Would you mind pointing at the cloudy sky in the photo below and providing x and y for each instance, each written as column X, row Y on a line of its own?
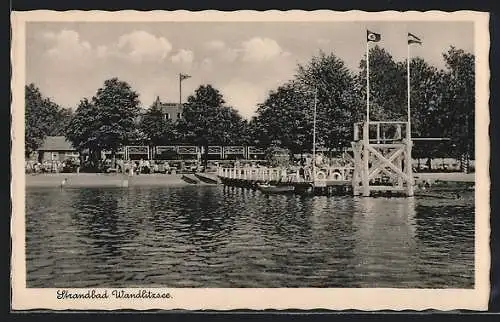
column 244, row 60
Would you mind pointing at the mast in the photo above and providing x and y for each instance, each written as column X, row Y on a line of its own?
column 180, row 89
column 314, row 134
column 408, row 131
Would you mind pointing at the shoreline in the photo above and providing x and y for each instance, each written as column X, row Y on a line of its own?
column 101, row 180
column 90, row 180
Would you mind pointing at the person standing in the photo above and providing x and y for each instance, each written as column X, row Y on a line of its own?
column 77, row 164
column 141, row 164
column 302, row 174
column 284, row 174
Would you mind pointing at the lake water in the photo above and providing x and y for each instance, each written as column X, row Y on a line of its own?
column 215, row 236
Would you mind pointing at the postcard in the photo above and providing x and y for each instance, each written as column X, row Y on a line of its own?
column 250, row 160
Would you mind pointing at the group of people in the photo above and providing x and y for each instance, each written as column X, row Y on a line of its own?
column 52, row 166
column 133, row 167
column 296, row 174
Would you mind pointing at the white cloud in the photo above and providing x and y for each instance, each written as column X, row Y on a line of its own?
column 142, row 46
column 184, row 56
column 260, row 49
column 67, row 45
column 256, row 49
column 223, row 52
column 215, row 45
column 229, row 55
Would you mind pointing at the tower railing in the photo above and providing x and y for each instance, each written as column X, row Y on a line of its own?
column 382, row 158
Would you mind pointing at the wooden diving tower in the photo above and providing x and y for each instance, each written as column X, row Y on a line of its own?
column 382, row 158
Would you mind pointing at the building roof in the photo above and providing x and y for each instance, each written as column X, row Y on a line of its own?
column 167, row 105
column 56, row 143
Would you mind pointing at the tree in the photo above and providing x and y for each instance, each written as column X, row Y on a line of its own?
column 118, row 107
column 61, row 122
column 337, row 101
column 234, row 127
column 199, row 122
column 81, row 131
column 207, row 95
column 205, row 120
column 461, row 104
column 285, row 119
column 41, row 117
column 428, row 87
column 387, row 85
column 107, row 122
column 156, row 127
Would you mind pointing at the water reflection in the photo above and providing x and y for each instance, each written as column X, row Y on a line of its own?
column 385, row 241
column 446, row 232
column 231, row 237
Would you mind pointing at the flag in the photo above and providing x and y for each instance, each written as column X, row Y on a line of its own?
column 371, row 36
column 183, row 76
column 412, row 39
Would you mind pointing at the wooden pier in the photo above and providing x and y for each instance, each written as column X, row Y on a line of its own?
column 382, row 158
column 326, row 181
column 381, row 165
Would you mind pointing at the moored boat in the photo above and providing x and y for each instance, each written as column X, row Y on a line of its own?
column 189, row 178
column 267, row 188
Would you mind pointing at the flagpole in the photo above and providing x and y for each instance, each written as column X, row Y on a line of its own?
column 180, row 89
column 366, row 128
column 408, row 91
column 314, row 135
column 409, row 159
column 367, row 83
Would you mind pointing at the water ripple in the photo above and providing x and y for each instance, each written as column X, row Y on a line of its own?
column 225, row 237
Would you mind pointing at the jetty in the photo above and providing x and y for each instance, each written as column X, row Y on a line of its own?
column 326, row 181
column 380, row 165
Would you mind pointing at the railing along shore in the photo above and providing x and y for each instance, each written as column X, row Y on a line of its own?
column 282, row 174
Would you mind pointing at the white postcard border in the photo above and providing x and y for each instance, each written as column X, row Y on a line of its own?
column 257, row 299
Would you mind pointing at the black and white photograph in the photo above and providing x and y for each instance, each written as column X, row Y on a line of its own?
column 250, row 160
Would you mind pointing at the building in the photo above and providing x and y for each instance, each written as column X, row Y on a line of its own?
column 56, row 148
column 171, row 111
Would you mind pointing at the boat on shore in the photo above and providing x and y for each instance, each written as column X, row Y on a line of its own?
column 268, row 188
column 207, row 178
column 189, row 178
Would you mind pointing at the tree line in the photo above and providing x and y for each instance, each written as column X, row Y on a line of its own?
column 442, row 105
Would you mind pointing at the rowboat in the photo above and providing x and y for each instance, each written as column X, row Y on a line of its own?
column 267, row 188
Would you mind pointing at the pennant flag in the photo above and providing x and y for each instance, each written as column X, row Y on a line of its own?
column 183, row 76
column 371, row 36
column 412, row 39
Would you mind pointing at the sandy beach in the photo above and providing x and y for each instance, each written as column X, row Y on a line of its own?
column 103, row 180
column 117, row 180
